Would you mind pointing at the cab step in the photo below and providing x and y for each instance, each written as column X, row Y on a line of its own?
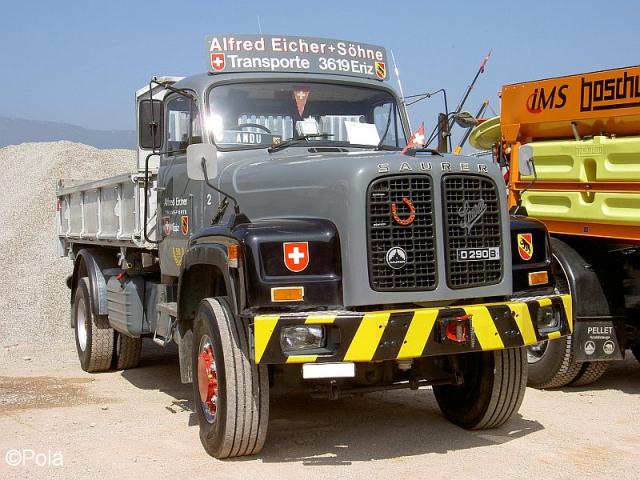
column 165, row 323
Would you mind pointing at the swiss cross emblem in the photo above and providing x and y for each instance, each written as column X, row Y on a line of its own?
column 525, row 246
column 217, row 61
column 296, row 255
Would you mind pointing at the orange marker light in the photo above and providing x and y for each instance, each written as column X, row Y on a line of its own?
column 233, row 252
column 538, row 278
column 287, row 294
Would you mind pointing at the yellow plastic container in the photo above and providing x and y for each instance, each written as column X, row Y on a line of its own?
column 587, row 207
column 597, row 159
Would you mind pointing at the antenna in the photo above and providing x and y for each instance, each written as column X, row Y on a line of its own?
column 397, row 72
column 259, row 24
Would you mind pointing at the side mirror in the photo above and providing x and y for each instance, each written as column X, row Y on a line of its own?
column 525, row 161
column 201, row 157
column 150, row 124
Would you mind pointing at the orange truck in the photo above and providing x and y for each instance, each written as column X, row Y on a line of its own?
column 570, row 149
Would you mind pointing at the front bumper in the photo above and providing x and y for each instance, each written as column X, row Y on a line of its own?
column 408, row 334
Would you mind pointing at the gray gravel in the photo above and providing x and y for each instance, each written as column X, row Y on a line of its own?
column 34, row 300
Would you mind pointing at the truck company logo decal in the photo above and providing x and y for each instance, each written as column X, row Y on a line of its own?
column 599, row 94
column 217, row 61
column 277, row 53
column 396, row 258
column 541, row 100
column 525, row 246
column 296, row 255
column 412, row 213
column 470, row 215
column 184, row 225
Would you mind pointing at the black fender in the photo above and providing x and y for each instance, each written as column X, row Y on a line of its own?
column 539, row 259
column 94, row 262
column 597, row 298
column 209, row 248
column 204, row 270
column 589, row 299
column 261, row 267
column 265, row 269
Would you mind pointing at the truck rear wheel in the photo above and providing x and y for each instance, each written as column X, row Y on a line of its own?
column 126, row 351
column 589, row 373
column 492, row 391
column 231, row 393
column 553, row 364
column 94, row 337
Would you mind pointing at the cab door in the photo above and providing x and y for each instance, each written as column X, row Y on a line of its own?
column 179, row 205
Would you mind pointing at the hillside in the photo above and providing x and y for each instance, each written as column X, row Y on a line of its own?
column 14, row 131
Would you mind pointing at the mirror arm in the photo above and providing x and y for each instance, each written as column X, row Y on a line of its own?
column 236, row 207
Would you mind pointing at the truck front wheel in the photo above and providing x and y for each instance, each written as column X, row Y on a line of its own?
column 492, row 390
column 231, row 393
column 94, row 337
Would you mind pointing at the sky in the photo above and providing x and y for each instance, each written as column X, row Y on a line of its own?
column 80, row 62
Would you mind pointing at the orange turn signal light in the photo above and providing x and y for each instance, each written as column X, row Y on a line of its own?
column 287, row 294
column 233, row 252
column 538, row 278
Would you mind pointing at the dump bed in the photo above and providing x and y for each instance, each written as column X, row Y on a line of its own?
column 106, row 212
column 606, row 102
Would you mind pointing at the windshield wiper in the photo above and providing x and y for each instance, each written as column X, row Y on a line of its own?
column 294, row 141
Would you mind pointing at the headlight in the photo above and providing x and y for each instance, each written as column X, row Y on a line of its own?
column 302, row 337
column 547, row 320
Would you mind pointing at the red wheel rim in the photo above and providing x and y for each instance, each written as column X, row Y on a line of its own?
column 207, row 379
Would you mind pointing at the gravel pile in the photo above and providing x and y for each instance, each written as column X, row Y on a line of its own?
column 34, row 299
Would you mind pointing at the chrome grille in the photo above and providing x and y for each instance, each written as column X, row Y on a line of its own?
column 417, row 239
column 467, row 191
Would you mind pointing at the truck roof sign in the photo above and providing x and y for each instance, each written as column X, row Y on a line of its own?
column 280, row 53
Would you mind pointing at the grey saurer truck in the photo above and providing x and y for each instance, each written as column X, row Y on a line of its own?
column 279, row 232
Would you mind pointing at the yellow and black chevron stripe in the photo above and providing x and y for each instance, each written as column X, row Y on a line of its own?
column 405, row 334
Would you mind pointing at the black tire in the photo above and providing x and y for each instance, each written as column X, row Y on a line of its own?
column 589, row 373
column 126, row 351
column 94, row 337
column 492, row 391
column 557, row 367
column 238, row 426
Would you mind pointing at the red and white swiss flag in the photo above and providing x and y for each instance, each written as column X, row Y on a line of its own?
column 296, row 255
column 217, row 61
column 417, row 139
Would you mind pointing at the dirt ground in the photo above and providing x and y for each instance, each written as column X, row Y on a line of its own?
column 140, row 424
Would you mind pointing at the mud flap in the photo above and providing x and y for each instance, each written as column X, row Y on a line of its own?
column 597, row 340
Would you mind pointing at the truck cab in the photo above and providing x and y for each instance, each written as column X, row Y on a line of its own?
column 287, row 238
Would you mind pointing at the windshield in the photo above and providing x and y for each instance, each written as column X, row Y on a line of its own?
column 264, row 114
